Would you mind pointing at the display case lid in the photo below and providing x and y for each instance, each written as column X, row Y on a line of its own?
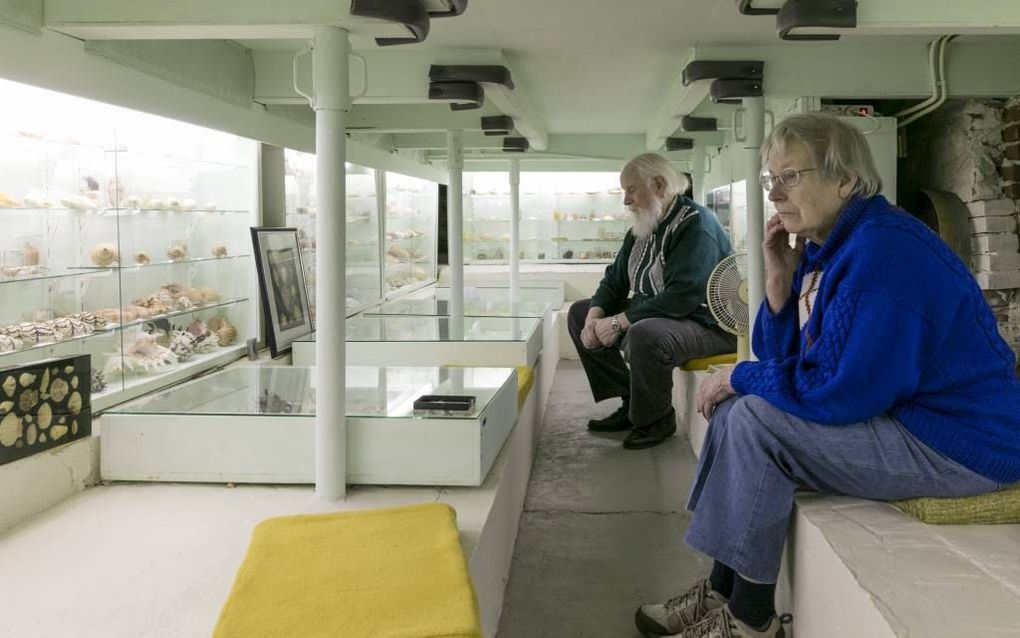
column 372, row 392
column 491, row 307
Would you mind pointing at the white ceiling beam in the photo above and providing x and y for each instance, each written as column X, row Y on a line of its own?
column 202, row 19
column 415, row 118
column 680, row 100
column 897, row 68
column 887, row 17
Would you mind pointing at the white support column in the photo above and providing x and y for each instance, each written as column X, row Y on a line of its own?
column 754, row 125
column 455, row 219
column 515, row 233
column 698, row 172
column 331, row 102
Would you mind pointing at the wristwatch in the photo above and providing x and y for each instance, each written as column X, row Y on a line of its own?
column 615, row 323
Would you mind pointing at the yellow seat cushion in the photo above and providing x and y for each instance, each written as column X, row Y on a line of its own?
column 704, row 362
column 1001, row 507
column 525, row 379
column 394, row 573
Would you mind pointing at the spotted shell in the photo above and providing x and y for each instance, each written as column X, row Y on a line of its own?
column 104, row 254
column 226, row 334
column 28, row 333
column 90, row 319
column 79, row 328
column 182, row 344
column 176, row 252
column 9, row 343
column 62, row 326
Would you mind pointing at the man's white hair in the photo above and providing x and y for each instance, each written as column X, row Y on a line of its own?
column 648, row 166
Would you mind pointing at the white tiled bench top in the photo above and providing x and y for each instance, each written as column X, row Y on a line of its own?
column 926, row 581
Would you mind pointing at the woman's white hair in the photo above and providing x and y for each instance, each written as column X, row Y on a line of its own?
column 651, row 165
column 838, row 149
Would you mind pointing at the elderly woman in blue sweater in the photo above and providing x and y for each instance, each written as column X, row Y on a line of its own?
column 881, row 375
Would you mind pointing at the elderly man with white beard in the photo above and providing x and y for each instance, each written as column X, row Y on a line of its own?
column 665, row 261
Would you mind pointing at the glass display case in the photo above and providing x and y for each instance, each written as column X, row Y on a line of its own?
column 381, row 340
column 257, row 424
column 412, row 218
column 125, row 238
column 565, row 217
column 363, row 252
column 729, row 202
column 439, row 305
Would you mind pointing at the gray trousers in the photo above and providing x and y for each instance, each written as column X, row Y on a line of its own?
column 755, row 455
column 652, row 347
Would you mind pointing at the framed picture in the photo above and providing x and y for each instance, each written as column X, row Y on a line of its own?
column 282, row 286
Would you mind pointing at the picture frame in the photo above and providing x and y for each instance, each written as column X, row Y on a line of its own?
column 281, row 286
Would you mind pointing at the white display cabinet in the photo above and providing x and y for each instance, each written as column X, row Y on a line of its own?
column 411, row 230
column 257, row 424
column 121, row 227
column 382, row 340
column 565, row 217
column 363, row 239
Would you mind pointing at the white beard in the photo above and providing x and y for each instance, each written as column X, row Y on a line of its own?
column 645, row 222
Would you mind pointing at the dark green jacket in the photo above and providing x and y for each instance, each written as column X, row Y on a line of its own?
column 667, row 271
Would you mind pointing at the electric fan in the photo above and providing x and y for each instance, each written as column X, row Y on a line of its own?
column 727, row 299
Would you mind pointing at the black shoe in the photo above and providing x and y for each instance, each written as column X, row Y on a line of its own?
column 652, row 434
column 615, row 422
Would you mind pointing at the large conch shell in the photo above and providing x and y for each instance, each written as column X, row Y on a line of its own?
column 104, row 254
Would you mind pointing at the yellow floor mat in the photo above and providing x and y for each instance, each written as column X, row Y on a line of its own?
column 393, row 573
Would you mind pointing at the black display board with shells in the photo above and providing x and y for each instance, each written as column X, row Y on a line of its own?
column 43, row 405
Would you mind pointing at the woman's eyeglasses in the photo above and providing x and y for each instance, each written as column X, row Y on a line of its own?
column 787, row 178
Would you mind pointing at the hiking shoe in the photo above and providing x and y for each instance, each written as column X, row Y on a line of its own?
column 676, row 614
column 615, row 422
column 720, row 623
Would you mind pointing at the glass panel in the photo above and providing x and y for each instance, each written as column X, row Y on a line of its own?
column 565, row 216
column 552, row 296
column 287, row 391
column 412, row 209
column 363, row 252
column 493, row 307
column 120, row 227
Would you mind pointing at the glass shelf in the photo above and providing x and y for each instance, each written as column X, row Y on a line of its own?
column 50, row 344
column 372, row 392
column 93, row 272
column 166, row 315
column 153, row 264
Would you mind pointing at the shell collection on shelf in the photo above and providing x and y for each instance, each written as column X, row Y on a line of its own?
column 172, row 297
column 144, row 355
column 14, row 337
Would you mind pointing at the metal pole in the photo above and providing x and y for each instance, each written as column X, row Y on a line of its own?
column 455, row 219
column 515, row 233
column 332, row 100
column 754, row 123
column 698, row 173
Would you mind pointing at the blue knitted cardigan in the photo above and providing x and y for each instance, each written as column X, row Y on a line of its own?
column 899, row 327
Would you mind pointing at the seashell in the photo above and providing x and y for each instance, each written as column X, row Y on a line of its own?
column 131, row 201
column 28, row 400
column 89, row 319
column 209, row 295
column 194, row 295
column 59, row 389
column 9, row 385
column 398, row 252
column 128, row 313
column 58, row 431
column 152, row 203
column 226, row 334
column 140, row 312
column 216, row 323
column 45, row 333
column 28, row 334
column 183, row 303
column 104, row 254
column 175, row 289
column 79, row 202
column 189, row 204
column 9, row 343
column 142, row 258
column 11, row 428
column 97, row 381
column 44, row 416
column 37, row 200
column 79, row 328
column 174, row 204
column 198, row 328
column 176, row 252
column 61, row 326
column 219, row 250
column 210, row 206
column 182, row 344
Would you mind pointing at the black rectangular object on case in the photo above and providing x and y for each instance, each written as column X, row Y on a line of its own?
column 451, row 402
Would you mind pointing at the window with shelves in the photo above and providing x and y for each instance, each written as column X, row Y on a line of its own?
column 565, row 217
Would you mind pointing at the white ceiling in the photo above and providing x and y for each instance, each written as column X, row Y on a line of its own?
column 598, row 66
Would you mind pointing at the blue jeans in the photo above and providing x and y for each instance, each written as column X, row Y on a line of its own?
column 756, row 455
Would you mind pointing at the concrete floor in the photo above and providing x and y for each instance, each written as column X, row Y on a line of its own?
column 602, row 528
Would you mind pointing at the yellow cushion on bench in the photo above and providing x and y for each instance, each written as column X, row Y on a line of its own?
column 525, row 379
column 395, row 572
column 704, row 362
column 1001, row 507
